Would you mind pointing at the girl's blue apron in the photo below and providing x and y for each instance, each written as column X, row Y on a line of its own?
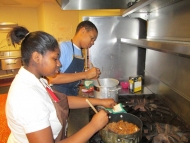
column 72, row 88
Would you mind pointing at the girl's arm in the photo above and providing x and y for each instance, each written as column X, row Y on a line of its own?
column 80, row 102
column 98, row 121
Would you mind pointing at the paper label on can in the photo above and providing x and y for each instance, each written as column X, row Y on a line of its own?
column 137, row 86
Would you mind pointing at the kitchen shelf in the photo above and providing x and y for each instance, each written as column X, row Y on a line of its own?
column 7, row 26
column 178, row 48
column 145, row 9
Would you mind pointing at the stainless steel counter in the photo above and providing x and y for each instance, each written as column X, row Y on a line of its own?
column 144, row 90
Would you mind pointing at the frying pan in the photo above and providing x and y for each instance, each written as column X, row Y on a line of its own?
column 110, row 137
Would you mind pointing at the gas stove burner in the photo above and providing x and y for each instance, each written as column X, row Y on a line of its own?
column 137, row 102
column 160, row 124
column 160, row 110
column 140, row 103
column 161, row 138
column 170, row 134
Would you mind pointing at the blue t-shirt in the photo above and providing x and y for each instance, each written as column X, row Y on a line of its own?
column 66, row 56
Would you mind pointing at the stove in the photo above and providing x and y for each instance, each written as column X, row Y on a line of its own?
column 160, row 123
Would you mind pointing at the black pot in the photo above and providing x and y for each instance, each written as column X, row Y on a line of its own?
column 110, row 137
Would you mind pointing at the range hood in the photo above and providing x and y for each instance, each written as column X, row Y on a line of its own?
column 94, row 4
column 146, row 9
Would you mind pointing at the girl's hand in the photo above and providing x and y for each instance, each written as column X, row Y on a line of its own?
column 108, row 102
column 99, row 120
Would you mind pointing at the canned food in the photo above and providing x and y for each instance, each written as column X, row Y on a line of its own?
column 135, row 83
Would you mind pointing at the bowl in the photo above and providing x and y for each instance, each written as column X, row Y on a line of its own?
column 124, row 84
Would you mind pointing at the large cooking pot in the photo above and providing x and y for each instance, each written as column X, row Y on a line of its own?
column 108, row 88
column 110, row 137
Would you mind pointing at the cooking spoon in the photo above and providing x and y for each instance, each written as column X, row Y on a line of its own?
column 97, row 78
column 91, row 106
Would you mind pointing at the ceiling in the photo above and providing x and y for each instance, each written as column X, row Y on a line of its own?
column 23, row 3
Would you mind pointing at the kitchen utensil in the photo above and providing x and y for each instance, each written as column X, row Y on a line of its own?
column 111, row 137
column 91, row 106
column 116, row 109
column 97, row 78
column 108, row 89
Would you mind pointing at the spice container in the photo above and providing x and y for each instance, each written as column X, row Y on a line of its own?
column 135, row 83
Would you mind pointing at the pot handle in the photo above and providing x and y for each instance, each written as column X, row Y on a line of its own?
column 115, row 89
column 129, row 140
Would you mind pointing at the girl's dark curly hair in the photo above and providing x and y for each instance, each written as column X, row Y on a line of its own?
column 30, row 42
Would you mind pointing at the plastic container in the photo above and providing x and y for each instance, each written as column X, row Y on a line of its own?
column 124, row 84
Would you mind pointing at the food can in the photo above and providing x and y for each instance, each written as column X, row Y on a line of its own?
column 135, row 83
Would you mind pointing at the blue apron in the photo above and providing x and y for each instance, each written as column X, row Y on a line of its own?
column 72, row 88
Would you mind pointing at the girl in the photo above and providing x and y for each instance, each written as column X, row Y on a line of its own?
column 35, row 113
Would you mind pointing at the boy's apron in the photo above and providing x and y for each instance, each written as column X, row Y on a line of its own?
column 77, row 65
column 62, row 109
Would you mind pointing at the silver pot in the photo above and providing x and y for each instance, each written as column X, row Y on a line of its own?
column 108, row 88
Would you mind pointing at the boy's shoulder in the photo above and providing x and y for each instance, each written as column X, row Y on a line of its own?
column 65, row 44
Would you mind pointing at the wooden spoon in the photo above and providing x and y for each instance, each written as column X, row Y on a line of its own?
column 97, row 78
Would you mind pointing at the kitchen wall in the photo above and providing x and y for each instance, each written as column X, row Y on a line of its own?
column 48, row 17
column 61, row 24
column 23, row 16
column 167, row 74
